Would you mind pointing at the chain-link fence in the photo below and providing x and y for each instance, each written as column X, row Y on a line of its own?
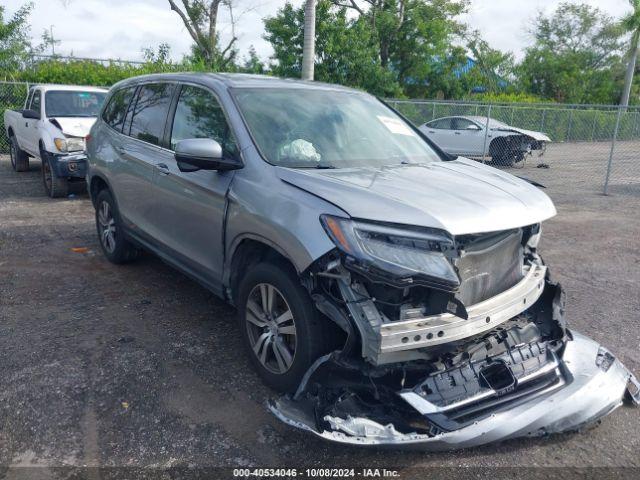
column 591, row 147
column 12, row 96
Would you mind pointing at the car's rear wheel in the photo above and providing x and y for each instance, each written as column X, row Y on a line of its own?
column 113, row 242
column 283, row 332
column 56, row 187
column 19, row 158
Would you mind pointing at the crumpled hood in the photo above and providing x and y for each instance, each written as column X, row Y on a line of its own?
column 460, row 196
column 541, row 137
column 75, row 126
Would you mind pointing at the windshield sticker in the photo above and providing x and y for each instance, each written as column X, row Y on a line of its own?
column 396, row 126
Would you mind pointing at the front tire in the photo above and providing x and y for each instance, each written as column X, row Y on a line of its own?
column 54, row 186
column 282, row 330
column 111, row 236
column 19, row 158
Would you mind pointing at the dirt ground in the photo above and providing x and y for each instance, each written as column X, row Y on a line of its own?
column 137, row 365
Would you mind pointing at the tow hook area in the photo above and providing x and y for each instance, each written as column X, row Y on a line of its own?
column 498, row 377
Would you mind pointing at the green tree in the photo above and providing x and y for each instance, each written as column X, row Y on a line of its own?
column 631, row 24
column 384, row 46
column 575, row 57
column 416, row 40
column 345, row 49
column 493, row 69
column 253, row 63
column 15, row 44
column 200, row 18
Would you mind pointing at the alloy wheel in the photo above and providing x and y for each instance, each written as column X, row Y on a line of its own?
column 271, row 328
column 107, row 227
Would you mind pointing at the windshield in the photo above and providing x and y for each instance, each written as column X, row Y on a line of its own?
column 306, row 128
column 73, row 104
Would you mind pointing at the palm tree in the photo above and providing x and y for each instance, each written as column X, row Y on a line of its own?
column 631, row 24
column 309, row 47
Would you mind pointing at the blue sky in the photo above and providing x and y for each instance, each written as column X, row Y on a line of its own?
column 122, row 28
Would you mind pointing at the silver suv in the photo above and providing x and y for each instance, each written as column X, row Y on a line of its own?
column 397, row 290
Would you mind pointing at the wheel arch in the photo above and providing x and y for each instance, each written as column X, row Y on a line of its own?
column 247, row 250
column 96, row 185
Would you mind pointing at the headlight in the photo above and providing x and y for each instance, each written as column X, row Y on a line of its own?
column 75, row 144
column 534, row 239
column 401, row 256
column 61, row 144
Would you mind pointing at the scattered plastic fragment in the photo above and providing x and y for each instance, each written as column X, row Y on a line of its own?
column 80, row 249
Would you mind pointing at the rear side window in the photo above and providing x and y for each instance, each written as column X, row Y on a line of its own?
column 36, row 101
column 29, row 98
column 199, row 115
column 442, row 124
column 116, row 110
column 150, row 112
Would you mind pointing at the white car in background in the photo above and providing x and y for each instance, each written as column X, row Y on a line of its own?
column 465, row 135
column 52, row 126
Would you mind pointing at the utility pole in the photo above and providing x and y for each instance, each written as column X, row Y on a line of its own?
column 53, row 42
column 309, row 47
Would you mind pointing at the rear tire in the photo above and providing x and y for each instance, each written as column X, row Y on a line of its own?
column 113, row 242
column 19, row 158
column 54, row 186
column 283, row 339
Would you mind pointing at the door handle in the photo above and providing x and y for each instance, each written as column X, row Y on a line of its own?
column 456, row 133
column 26, row 124
column 163, row 168
column 431, row 131
column 120, row 150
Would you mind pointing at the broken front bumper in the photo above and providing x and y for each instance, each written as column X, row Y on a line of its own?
column 594, row 383
column 69, row 165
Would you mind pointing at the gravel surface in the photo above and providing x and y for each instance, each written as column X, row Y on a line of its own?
column 137, row 365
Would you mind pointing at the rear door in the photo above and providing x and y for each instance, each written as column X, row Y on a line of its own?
column 138, row 152
column 190, row 207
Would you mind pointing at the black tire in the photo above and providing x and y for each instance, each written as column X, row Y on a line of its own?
column 313, row 336
column 19, row 158
column 501, row 153
column 117, row 249
column 54, row 186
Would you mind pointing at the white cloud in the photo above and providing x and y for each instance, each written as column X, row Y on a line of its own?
column 122, row 28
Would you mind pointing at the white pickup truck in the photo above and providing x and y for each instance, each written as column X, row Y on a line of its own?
column 52, row 126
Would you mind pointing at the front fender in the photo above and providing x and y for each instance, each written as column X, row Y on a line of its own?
column 278, row 215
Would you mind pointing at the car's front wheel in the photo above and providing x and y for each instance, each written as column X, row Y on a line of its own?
column 283, row 332
column 56, row 187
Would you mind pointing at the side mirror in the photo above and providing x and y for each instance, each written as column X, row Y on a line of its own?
column 31, row 114
column 202, row 154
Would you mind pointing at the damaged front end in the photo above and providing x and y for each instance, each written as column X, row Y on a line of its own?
column 450, row 343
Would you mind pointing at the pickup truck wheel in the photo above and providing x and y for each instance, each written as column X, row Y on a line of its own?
column 282, row 331
column 56, row 187
column 19, row 158
column 113, row 243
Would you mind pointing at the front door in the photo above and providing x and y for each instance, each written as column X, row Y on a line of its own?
column 469, row 137
column 31, row 133
column 190, row 206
